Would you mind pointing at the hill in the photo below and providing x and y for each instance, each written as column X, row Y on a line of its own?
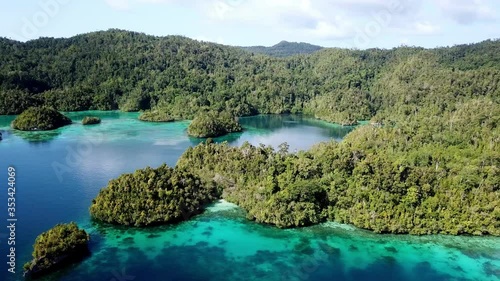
column 430, row 165
column 284, row 49
column 132, row 71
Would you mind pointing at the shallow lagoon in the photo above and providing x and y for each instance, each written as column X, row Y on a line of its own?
column 60, row 172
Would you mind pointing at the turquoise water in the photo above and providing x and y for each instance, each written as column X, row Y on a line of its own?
column 60, row 172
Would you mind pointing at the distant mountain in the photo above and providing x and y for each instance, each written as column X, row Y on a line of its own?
column 284, row 49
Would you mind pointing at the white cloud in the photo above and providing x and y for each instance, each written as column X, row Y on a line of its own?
column 467, row 11
column 287, row 16
column 127, row 4
column 426, row 28
column 404, row 41
column 118, row 4
column 325, row 20
column 319, row 19
column 154, row 1
column 329, row 30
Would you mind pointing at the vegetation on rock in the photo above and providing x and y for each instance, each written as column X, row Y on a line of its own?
column 91, row 120
column 40, row 119
column 63, row 244
column 156, row 116
column 152, row 196
column 434, row 172
column 213, row 124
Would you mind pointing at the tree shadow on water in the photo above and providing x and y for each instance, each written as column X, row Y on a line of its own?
column 37, row 137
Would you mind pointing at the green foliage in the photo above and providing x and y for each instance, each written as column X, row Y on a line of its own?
column 298, row 203
column 52, row 249
column 273, row 186
column 156, row 116
column 152, row 196
column 91, row 120
column 15, row 101
column 429, row 174
column 40, row 119
column 213, row 124
column 430, row 165
column 132, row 71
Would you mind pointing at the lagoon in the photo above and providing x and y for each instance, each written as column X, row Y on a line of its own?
column 60, row 172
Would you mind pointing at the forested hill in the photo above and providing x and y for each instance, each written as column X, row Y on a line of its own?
column 431, row 167
column 284, row 49
column 132, row 71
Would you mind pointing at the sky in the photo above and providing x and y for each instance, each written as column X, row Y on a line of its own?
column 357, row 24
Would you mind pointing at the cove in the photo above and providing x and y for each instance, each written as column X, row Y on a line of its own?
column 219, row 244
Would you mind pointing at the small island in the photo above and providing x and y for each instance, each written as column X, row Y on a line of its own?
column 40, row 119
column 57, row 247
column 91, row 120
column 156, row 116
column 152, row 197
column 212, row 124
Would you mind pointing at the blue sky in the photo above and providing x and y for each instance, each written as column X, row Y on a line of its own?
column 336, row 23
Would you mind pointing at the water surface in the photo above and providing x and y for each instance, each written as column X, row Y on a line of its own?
column 60, row 172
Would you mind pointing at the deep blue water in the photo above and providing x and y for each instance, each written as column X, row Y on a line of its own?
column 59, row 173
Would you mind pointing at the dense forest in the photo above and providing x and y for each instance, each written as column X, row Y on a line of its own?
column 429, row 163
column 156, row 116
column 431, row 173
column 284, row 49
column 40, row 119
column 60, row 245
column 132, row 71
column 213, row 124
column 152, row 196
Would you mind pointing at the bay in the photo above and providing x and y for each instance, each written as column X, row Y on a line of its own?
column 60, row 172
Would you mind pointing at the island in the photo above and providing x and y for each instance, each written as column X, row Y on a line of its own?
column 432, row 168
column 383, row 179
column 152, row 197
column 156, row 116
column 212, row 124
column 40, row 119
column 387, row 179
column 91, row 120
column 56, row 248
